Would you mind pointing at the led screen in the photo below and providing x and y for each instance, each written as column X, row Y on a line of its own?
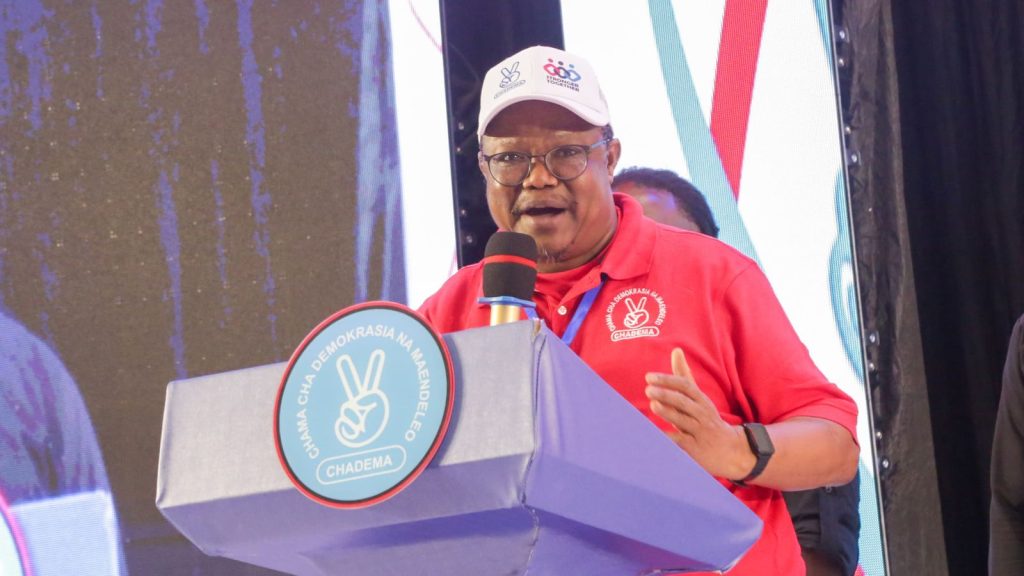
column 189, row 188
column 427, row 212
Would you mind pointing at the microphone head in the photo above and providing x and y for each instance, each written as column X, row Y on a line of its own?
column 510, row 265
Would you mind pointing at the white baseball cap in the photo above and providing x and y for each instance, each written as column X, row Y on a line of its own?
column 543, row 73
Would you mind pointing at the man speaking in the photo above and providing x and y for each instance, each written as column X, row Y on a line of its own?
column 684, row 327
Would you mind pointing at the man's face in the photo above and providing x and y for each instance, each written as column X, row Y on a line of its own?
column 660, row 205
column 571, row 221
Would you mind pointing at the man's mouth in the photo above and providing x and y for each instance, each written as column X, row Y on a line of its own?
column 537, row 211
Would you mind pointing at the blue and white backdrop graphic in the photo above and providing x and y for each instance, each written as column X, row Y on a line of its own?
column 776, row 187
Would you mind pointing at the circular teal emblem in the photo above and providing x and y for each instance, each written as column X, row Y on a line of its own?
column 364, row 405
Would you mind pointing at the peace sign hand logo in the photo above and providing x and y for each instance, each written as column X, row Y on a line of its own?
column 637, row 315
column 509, row 75
column 364, row 414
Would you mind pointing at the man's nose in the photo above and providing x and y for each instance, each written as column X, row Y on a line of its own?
column 539, row 176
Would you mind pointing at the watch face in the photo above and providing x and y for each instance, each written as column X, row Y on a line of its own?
column 760, row 441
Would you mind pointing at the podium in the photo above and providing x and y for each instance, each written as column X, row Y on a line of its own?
column 545, row 470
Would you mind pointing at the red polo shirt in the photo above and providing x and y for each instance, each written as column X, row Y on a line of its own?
column 665, row 288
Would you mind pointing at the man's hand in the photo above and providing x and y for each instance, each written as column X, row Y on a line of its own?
column 719, row 447
column 809, row 452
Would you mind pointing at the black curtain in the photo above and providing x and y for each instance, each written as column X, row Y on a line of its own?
column 961, row 73
column 869, row 89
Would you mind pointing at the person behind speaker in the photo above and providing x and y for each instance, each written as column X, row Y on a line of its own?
column 826, row 519
column 744, row 400
column 667, row 198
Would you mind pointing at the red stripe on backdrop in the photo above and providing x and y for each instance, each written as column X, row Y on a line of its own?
column 734, row 82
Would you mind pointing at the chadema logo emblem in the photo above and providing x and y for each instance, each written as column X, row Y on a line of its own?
column 509, row 75
column 364, row 401
column 364, row 405
column 641, row 315
column 560, row 71
column 637, row 315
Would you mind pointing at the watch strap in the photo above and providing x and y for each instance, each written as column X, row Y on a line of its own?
column 762, row 453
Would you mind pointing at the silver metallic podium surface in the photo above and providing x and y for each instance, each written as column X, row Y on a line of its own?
column 545, row 470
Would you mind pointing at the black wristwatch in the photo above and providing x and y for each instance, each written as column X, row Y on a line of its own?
column 762, row 447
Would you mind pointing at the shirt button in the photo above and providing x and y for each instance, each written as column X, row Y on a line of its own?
column 562, row 311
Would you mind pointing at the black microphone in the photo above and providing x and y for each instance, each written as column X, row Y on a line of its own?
column 510, row 274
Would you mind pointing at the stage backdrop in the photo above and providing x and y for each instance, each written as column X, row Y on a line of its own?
column 188, row 188
column 740, row 98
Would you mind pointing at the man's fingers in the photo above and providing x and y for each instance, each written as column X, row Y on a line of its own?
column 672, row 397
column 679, row 382
column 675, row 407
column 679, row 365
column 670, row 381
column 681, row 377
column 681, row 421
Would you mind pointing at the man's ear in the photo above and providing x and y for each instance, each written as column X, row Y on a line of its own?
column 482, row 165
column 480, row 162
column 614, row 153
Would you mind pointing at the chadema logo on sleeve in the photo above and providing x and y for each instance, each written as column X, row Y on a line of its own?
column 364, row 405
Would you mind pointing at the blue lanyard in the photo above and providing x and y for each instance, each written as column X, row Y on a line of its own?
column 577, row 318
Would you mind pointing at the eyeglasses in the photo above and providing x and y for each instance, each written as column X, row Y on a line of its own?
column 565, row 163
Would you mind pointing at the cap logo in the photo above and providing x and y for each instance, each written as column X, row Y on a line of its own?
column 559, row 75
column 560, row 71
column 509, row 75
column 509, row 80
